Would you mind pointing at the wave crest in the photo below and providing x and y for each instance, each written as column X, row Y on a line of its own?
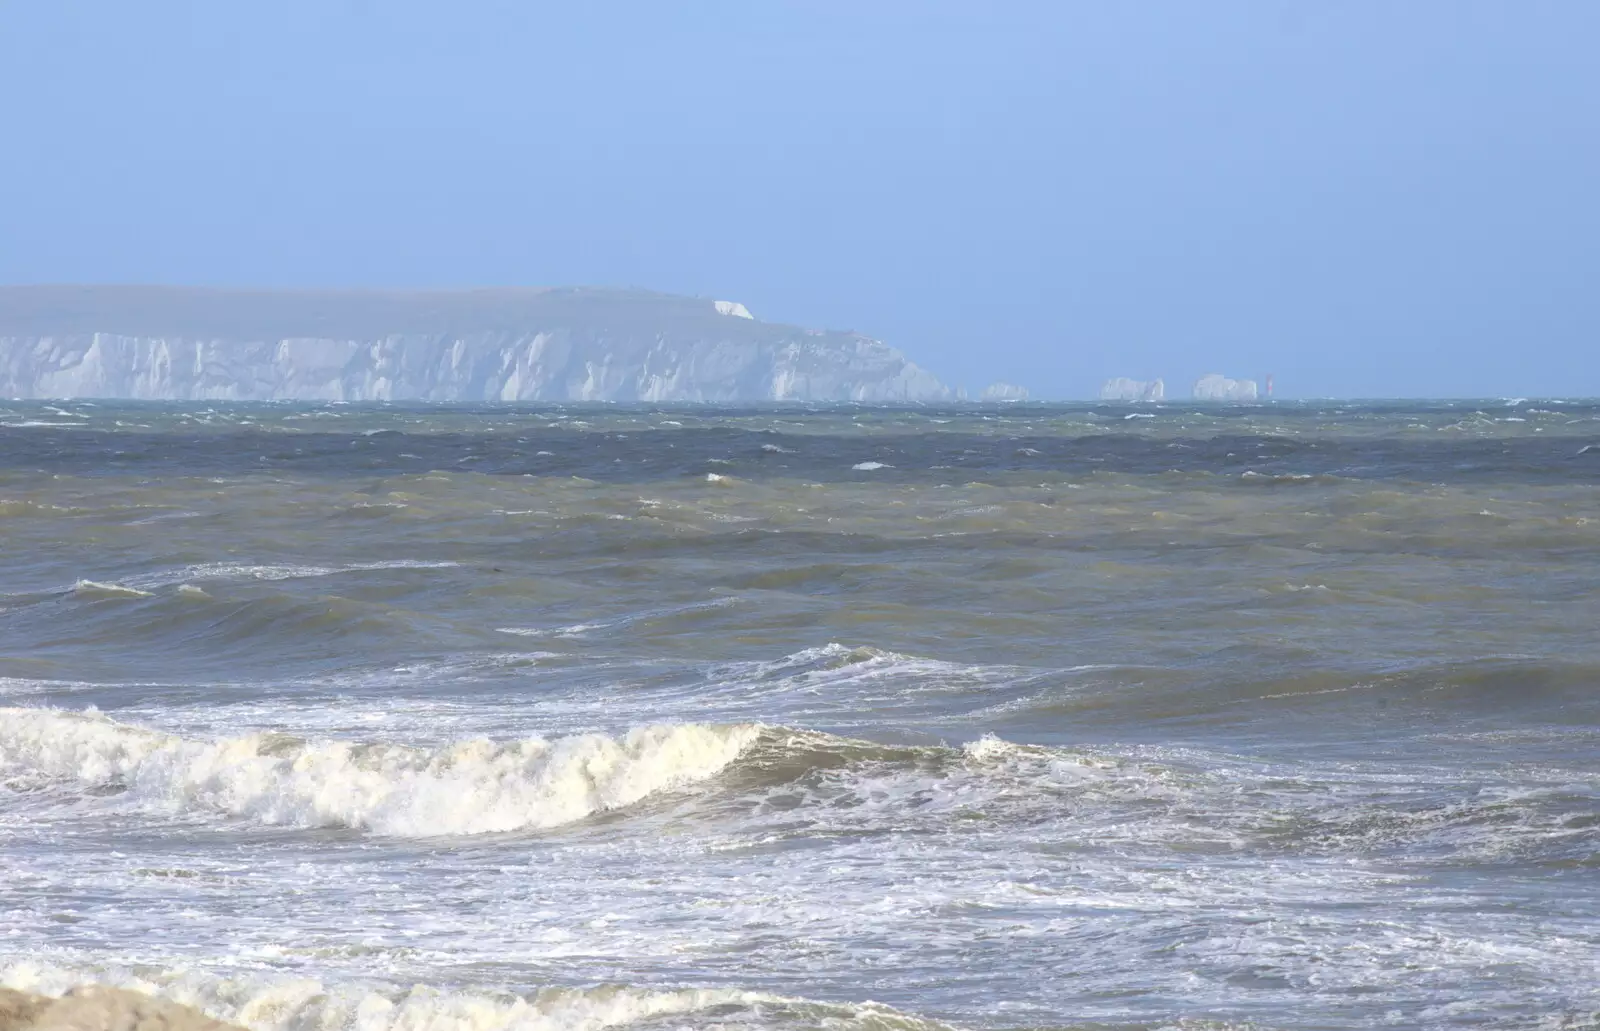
column 466, row 787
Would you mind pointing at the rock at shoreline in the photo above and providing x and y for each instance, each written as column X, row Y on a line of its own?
column 97, row 1008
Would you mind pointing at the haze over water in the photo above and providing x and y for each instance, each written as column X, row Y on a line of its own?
column 1018, row 716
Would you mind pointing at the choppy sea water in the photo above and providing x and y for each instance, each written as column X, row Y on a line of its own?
column 1025, row 716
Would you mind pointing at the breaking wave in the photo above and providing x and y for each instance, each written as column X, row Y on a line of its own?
column 764, row 779
column 467, row 787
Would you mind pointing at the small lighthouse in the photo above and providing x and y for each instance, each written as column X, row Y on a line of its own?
column 1269, row 384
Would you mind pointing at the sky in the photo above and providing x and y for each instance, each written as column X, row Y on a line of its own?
column 1365, row 198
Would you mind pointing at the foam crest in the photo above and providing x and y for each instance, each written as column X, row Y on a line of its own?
column 308, row 1004
column 836, row 662
column 96, row 589
column 143, row 585
column 467, row 787
column 246, row 571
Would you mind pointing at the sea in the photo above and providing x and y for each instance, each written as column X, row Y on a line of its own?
column 426, row 717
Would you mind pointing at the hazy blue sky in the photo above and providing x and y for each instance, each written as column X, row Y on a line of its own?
column 1363, row 197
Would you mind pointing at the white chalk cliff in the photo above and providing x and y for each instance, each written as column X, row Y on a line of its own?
column 1216, row 387
column 1004, row 392
column 1124, row 389
column 174, row 343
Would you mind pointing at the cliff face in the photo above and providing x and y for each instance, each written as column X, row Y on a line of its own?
column 1124, row 389
column 1004, row 392
column 508, row 345
column 1217, row 387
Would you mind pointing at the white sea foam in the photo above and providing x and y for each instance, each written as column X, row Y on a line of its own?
column 144, row 583
column 96, row 589
column 582, row 629
column 575, row 630
column 835, row 661
column 266, row 1003
column 468, row 787
column 870, row 466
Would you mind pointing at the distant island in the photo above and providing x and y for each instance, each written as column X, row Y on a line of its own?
column 510, row 344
